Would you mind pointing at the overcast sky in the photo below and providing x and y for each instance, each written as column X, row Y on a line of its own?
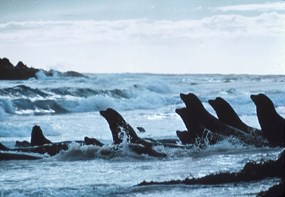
column 157, row 36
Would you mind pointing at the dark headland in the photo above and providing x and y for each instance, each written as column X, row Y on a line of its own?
column 22, row 72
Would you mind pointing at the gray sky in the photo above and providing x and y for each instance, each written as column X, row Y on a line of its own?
column 158, row 36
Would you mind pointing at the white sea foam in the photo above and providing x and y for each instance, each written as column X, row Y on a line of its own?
column 93, row 103
column 272, row 6
column 6, row 106
column 41, row 75
column 23, row 130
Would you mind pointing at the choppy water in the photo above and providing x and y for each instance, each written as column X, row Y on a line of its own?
column 68, row 109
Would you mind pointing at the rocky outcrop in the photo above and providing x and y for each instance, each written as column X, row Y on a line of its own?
column 19, row 72
column 22, row 72
column 252, row 171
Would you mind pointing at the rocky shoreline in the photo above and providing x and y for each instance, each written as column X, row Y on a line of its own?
column 22, row 72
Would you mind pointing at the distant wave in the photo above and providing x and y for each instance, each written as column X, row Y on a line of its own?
column 23, row 99
column 57, row 95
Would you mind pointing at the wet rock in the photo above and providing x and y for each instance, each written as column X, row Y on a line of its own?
column 19, row 72
column 22, row 72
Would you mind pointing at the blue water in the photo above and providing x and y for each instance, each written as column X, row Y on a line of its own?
column 68, row 109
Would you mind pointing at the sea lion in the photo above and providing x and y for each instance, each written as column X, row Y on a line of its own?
column 194, row 128
column 196, row 132
column 271, row 123
column 191, row 122
column 39, row 144
column 118, row 125
column 185, row 137
column 210, row 122
column 3, row 147
column 37, row 137
column 227, row 114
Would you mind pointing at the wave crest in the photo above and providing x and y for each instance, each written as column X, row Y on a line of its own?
column 23, row 99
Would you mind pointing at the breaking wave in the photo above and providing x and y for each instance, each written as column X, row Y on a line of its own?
column 25, row 100
column 126, row 91
column 122, row 151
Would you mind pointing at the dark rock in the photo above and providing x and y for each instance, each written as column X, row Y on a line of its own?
column 22, row 143
column 51, row 149
column 73, row 74
column 141, row 129
column 92, row 141
column 21, row 71
column 252, row 171
column 275, row 190
column 17, row 156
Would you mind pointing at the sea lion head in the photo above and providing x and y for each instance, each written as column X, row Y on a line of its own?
column 112, row 116
column 192, row 101
column 213, row 103
column 181, row 111
column 223, row 108
column 262, row 99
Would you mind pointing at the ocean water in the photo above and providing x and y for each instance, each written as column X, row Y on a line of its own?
column 68, row 109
